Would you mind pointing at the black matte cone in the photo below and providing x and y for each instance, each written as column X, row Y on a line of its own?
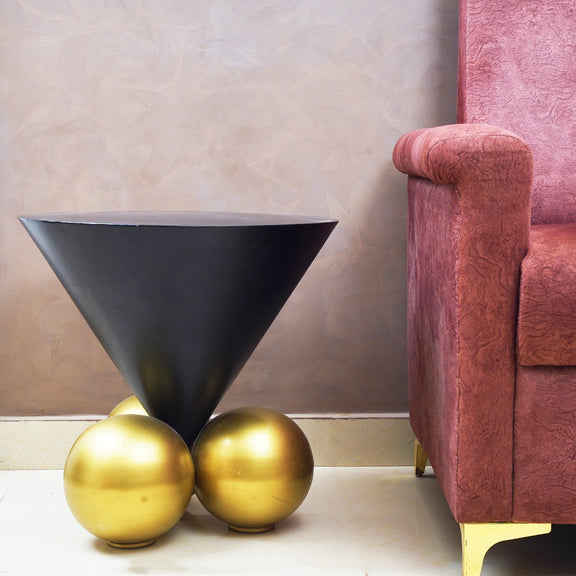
column 179, row 300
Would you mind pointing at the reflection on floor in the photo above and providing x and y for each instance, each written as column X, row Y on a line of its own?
column 355, row 522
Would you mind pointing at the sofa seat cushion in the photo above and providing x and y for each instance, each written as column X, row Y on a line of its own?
column 547, row 315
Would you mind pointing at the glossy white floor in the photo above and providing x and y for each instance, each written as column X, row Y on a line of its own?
column 355, row 522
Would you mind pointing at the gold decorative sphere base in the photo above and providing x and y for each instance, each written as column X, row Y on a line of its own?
column 253, row 467
column 260, row 530
column 132, row 546
column 130, row 405
column 128, row 479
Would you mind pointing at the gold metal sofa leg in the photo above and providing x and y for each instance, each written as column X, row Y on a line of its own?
column 420, row 459
column 477, row 539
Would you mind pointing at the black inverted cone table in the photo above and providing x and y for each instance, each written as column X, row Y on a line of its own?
column 179, row 300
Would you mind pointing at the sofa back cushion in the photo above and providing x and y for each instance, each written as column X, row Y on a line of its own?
column 517, row 70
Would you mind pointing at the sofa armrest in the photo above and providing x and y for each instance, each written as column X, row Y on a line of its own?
column 459, row 152
column 469, row 191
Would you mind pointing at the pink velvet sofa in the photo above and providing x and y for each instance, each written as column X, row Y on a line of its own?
column 492, row 276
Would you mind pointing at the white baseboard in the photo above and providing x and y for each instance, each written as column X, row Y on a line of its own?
column 337, row 440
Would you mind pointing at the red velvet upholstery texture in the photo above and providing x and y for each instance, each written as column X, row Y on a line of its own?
column 462, row 305
column 518, row 71
column 547, row 316
column 544, row 445
column 492, row 269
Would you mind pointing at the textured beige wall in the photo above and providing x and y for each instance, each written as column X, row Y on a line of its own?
column 282, row 106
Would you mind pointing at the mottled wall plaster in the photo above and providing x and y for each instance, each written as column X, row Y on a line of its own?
column 282, row 106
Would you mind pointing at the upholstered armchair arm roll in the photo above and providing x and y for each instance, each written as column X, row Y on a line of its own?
column 469, row 191
column 449, row 154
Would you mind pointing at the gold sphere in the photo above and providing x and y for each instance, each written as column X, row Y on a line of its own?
column 128, row 479
column 253, row 467
column 130, row 405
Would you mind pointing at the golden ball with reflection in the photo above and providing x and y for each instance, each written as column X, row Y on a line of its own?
column 130, row 405
column 128, row 479
column 253, row 467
